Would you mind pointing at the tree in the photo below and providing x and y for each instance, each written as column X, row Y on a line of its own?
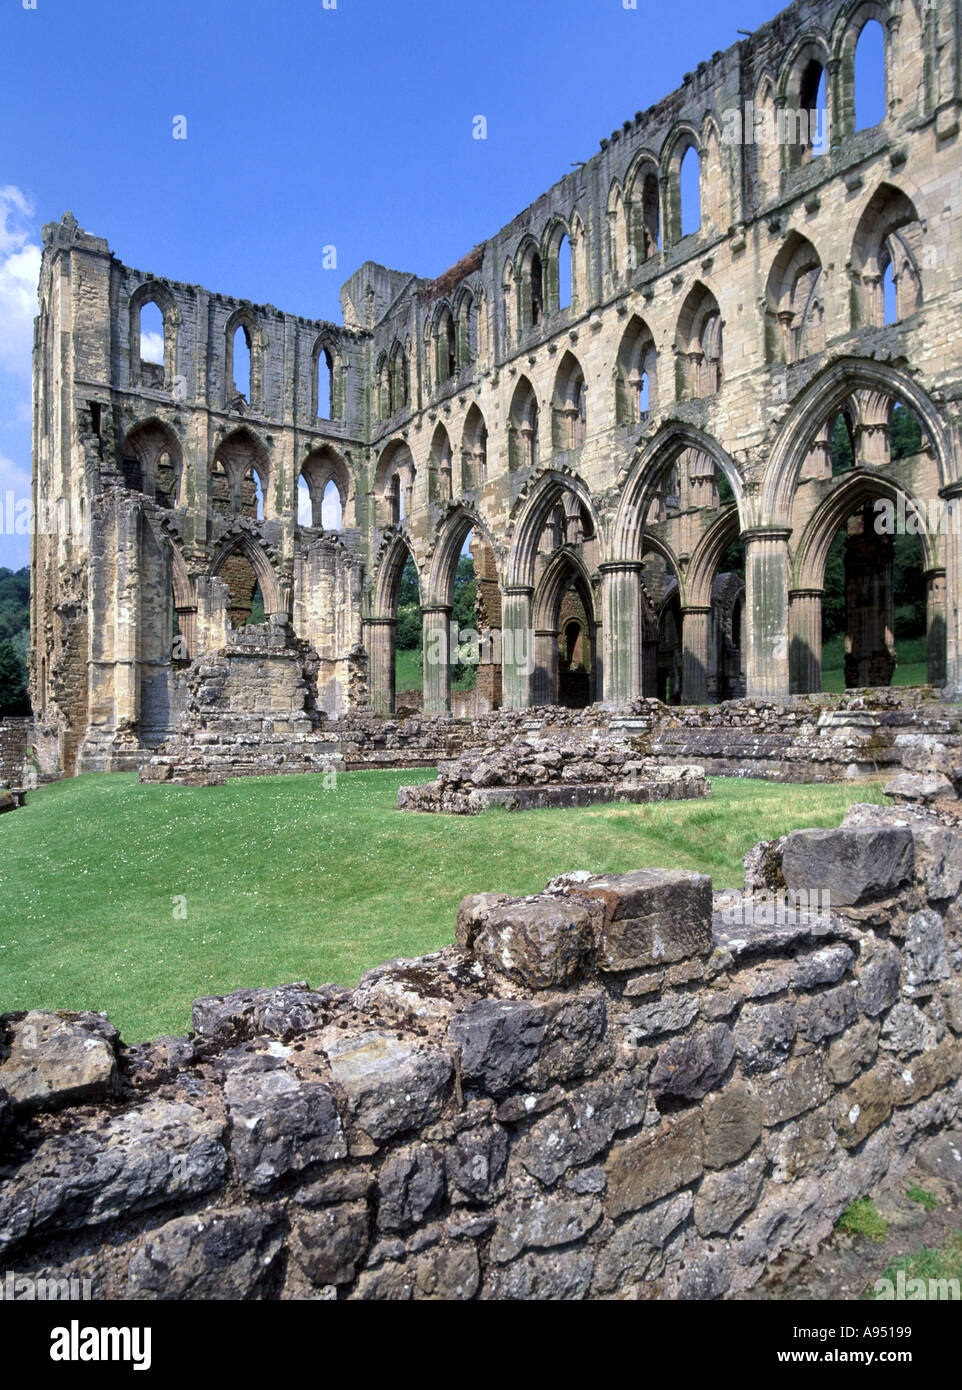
column 13, row 682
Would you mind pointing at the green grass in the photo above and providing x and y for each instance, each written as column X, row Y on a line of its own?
column 862, row 1219
column 286, row 879
column 407, row 670
column 943, row 1262
column 911, row 670
column 919, row 1194
column 408, row 675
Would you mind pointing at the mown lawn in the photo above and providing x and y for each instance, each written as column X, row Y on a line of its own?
column 911, row 670
column 283, row 878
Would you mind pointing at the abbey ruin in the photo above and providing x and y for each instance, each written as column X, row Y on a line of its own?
column 602, row 445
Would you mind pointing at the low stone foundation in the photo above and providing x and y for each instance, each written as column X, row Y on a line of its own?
column 824, row 738
column 620, row 1087
column 567, row 769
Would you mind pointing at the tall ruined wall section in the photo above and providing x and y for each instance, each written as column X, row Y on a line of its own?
column 478, row 401
column 618, row 1087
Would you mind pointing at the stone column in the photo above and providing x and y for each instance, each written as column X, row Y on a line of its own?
column 622, row 630
column 869, row 603
column 935, row 609
column 805, row 652
column 126, row 620
column 766, row 611
column 379, row 641
column 695, row 633
column 517, row 640
column 952, row 540
column 436, row 650
column 545, row 667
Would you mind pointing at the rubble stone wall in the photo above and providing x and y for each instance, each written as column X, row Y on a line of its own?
column 620, row 1087
column 806, row 738
column 16, row 736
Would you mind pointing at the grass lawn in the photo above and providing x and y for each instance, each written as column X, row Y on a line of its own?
column 911, row 670
column 285, row 879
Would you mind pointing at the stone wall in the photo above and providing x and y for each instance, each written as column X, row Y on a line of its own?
column 621, row 1087
column 16, row 736
column 820, row 738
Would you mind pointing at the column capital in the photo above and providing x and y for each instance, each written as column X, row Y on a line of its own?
column 805, row 593
column 380, row 622
column 621, row 567
column 951, row 490
column 436, row 608
column 695, row 608
column 518, row 591
column 766, row 533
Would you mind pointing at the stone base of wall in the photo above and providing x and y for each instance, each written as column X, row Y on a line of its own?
column 556, row 797
column 808, row 738
column 622, row 1087
column 17, row 737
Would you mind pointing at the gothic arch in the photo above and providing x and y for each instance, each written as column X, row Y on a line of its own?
column 448, row 543
column 889, row 232
column 267, row 576
column 822, row 399
column 148, row 442
column 529, row 523
column 240, row 452
column 324, row 465
column 707, row 555
column 644, row 478
column 794, row 311
column 857, row 487
column 395, row 554
column 256, row 338
column 474, row 450
column 153, row 292
column 698, row 345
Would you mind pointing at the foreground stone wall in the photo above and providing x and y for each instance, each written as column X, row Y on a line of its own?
column 620, row 1087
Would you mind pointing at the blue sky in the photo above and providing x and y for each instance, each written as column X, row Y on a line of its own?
column 306, row 127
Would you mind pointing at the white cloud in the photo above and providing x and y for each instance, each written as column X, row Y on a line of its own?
column 14, row 477
column 19, row 273
column 331, row 509
column 152, row 348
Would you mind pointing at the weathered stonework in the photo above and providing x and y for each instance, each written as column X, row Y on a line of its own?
column 620, row 1087
column 603, row 452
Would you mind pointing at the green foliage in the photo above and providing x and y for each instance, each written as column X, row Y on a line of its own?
column 257, row 607
column 862, row 1219
column 13, row 682
column 840, row 447
column 942, row 1263
column 833, row 592
column 14, row 640
column 14, row 602
column 409, row 592
column 286, row 878
column 465, row 590
column 905, row 434
column 733, row 560
column 919, row 1194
